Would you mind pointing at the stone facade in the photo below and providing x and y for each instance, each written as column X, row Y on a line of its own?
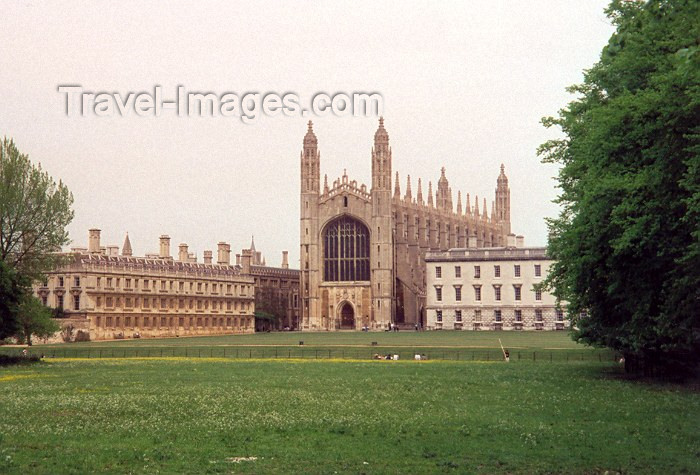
column 363, row 249
column 491, row 289
column 112, row 295
column 276, row 289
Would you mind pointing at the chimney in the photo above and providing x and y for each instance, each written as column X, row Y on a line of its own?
column 207, row 257
column 182, row 254
column 510, row 240
column 285, row 259
column 245, row 261
column 472, row 242
column 112, row 250
column 94, row 241
column 238, row 259
column 165, row 247
column 223, row 254
column 520, row 241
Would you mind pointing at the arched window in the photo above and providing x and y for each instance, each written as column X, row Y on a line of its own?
column 346, row 251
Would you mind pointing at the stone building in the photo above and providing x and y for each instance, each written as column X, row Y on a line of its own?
column 362, row 249
column 105, row 294
column 276, row 289
column 491, row 289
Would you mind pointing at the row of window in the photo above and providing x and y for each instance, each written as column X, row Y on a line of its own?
column 498, row 316
column 165, row 303
column 159, row 322
column 147, row 284
column 517, row 291
column 496, row 271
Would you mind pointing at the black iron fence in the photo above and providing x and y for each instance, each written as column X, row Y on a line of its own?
column 307, row 352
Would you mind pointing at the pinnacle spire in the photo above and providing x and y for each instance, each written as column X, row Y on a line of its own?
column 310, row 137
column 397, row 189
column 430, row 193
column 486, row 214
column 476, row 206
column 468, row 205
column 126, row 248
column 419, row 196
column 408, row 196
column 459, row 202
column 252, row 240
column 325, row 184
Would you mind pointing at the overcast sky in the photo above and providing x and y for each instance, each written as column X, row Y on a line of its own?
column 464, row 86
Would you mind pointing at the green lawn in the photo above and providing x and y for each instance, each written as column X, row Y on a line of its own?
column 470, row 346
column 326, row 416
column 467, row 339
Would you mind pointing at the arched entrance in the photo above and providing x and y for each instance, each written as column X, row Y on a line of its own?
column 347, row 317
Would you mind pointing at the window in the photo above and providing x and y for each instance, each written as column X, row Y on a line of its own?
column 458, row 315
column 518, row 292
column 458, row 271
column 518, row 315
column 458, row 293
column 127, row 321
column 497, row 315
column 146, row 303
column 477, row 272
column 477, row 315
column 145, row 284
column 346, row 251
column 439, row 315
column 538, row 270
column 438, row 294
column 127, row 284
column 538, row 315
column 60, row 281
column 560, row 315
column 109, row 282
column 76, row 302
column 76, row 281
column 162, row 287
column 516, row 270
column 496, row 271
column 99, row 282
column 438, row 272
column 497, row 292
column 538, row 294
column 477, row 293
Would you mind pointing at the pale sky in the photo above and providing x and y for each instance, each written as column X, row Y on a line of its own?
column 464, row 86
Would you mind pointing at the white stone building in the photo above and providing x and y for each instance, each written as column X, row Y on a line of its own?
column 490, row 289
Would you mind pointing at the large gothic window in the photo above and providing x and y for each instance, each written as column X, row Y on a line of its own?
column 346, row 251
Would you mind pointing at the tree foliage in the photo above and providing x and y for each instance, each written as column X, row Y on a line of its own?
column 627, row 240
column 13, row 288
column 34, row 319
column 34, row 214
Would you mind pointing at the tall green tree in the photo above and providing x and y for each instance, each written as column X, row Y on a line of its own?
column 12, row 291
column 34, row 319
column 34, row 214
column 627, row 240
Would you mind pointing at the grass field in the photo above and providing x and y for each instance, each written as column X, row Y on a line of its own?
column 459, row 346
column 464, row 339
column 306, row 416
